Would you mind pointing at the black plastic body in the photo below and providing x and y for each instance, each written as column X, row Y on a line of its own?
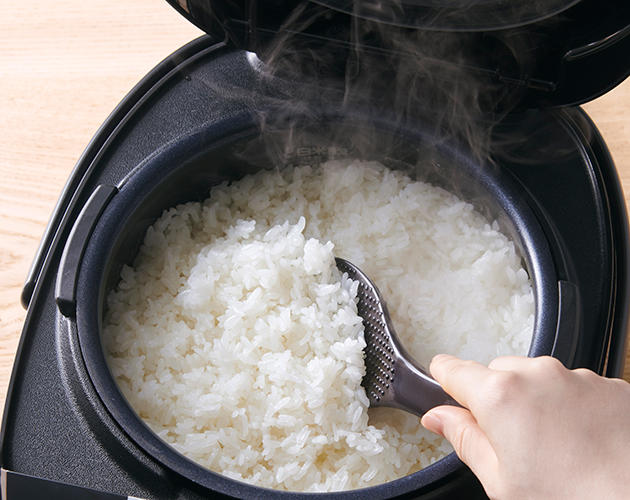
column 15, row 485
column 574, row 53
column 60, row 425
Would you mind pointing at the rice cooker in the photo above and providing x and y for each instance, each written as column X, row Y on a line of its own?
column 211, row 112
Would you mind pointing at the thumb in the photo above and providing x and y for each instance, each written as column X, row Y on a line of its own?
column 471, row 444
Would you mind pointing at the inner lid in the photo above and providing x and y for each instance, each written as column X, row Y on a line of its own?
column 540, row 52
column 464, row 15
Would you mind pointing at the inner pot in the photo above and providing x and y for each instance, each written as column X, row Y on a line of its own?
column 229, row 149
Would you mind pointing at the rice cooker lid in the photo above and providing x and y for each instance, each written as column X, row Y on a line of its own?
column 575, row 50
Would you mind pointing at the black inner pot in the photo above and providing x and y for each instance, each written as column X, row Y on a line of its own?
column 228, row 149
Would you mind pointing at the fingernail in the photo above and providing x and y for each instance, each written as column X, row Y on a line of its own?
column 432, row 422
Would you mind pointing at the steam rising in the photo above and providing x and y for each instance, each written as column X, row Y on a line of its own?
column 421, row 80
column 450, row 87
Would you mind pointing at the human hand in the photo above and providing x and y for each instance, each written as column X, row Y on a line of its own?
column 532, row 429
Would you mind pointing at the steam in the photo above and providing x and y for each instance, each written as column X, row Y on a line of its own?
column 430, row 80
column 452, row 87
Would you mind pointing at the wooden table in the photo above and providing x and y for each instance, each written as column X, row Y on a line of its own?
column 64, row 65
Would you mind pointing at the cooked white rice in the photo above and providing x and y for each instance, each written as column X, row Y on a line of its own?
column 236, row 339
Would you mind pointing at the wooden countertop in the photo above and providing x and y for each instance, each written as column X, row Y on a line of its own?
column 63, row 67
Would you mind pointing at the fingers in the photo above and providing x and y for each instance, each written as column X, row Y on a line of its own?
column 460, row 428
column 461, row 379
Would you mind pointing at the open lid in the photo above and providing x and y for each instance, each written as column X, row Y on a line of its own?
column 553, row 52
column 460, row 15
